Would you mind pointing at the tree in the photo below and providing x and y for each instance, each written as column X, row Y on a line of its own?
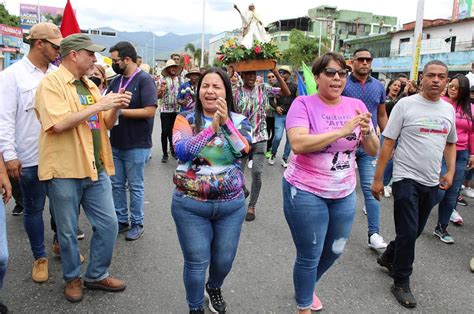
column 8, row 19
column 56, row 19
column 303, row 48
column 194, row 52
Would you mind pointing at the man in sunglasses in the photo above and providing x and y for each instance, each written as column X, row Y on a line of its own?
column 20, row 131
column 362, row 86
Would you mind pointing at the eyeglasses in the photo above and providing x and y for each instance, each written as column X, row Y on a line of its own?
column 282, row 72
column 453, row 86
column 331, row 72
column 117, row 60
column 56, row 47
column 364, row 59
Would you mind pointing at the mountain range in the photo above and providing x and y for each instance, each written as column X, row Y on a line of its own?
column 143, row 42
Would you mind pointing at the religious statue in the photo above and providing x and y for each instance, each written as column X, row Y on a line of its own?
column 252, row 27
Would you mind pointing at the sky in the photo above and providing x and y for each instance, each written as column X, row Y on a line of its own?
column 185, row 16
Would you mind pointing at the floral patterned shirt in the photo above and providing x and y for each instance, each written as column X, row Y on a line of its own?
column 169, row 102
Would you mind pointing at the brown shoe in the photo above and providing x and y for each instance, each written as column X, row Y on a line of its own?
column 40, row 270
column 57, row 251
column 108, row 284
column 74, row 291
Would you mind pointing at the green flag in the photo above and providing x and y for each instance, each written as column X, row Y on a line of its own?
column 311, row 87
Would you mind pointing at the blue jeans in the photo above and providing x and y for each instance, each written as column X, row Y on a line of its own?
column 209, row 233
column 34, row 197
column 320, row 228
column 366, row 166
column 280, row 121
column 3, row 244
column 387, row 174
column 448, row 199
column 129, row 168
column 65, row 196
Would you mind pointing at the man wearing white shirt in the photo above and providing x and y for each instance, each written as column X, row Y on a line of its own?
column 470, row 75
column 20, row 130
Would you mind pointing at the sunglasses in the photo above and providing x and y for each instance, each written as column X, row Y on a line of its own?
column 452, row 86
column 364, row 59
column 331, row 72
column 56, row 47
column 271, row 76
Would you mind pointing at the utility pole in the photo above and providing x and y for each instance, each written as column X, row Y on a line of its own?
column 417, row 37
column 203, row 29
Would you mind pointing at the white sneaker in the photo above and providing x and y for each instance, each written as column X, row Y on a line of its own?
column 250, row 164
column 456, row 218
column 271, row 160
column 469, row 192
column 364, row 210
column 376, row 242
column 387, row 191
column 284, row 163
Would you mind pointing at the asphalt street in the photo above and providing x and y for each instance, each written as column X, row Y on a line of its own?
column 261, row 278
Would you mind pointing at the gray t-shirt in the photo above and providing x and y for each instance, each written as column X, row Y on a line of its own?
column 422, row 128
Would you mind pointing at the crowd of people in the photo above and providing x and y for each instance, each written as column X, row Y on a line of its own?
column 71, row 135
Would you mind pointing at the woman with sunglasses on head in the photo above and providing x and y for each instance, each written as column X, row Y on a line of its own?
column 319, row 184
column 459, row 98
column 208, row 204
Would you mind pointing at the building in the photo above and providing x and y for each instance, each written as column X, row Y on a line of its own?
column 338, row 25
column 449, row 41
column 11, row 43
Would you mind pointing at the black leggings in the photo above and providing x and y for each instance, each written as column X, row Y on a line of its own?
column 167, row 122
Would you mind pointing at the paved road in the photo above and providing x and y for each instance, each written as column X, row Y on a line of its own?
column 261, row 279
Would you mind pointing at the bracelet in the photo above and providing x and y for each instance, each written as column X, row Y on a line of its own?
column 368, row 134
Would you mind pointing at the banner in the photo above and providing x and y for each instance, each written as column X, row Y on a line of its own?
column 11, row 36
column 462, row 9
column 29, row 14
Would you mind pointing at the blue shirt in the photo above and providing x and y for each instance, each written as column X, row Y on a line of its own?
column 371, row 92
column 135, row 133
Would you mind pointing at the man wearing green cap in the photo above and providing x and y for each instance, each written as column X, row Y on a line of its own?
column 75, row 161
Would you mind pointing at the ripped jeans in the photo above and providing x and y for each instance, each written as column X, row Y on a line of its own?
column 320, row 228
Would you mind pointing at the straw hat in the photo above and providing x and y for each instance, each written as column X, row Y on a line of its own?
column 194, row 70
column 285, row 68
column 170, row 63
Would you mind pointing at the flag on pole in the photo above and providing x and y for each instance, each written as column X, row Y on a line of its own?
column 301, row 87
column 311, row 87
column 69, row 23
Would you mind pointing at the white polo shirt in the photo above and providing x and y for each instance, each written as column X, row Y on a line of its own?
column 19, row 127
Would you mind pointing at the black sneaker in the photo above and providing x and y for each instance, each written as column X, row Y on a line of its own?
column 382, row 261
column 404, row 296
column 123, row 227
column 17, row 210
column 462, row 201
column 4, row 308
column 164, row 159
column 80, row 234
column 442, row 233
column 216, row 302
column 199, row 311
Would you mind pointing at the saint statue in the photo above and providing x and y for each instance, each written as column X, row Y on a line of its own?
column 252, row 27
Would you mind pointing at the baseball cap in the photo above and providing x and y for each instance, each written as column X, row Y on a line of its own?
column 285, row 68
column 78, row 42
column 47, row 31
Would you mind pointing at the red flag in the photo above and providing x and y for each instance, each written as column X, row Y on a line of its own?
column 69, row 23
column 187, row 59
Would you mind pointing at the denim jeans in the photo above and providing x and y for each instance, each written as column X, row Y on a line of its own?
column 3, row 244
column 387, row 174
column 280, row 121
column 258, row 157
column 366, row 166
column 448, row 199
column 209, row 233
column 320, row 228
column 34, row 197
column 412, row 203
column 65, row 196
column 129, row 168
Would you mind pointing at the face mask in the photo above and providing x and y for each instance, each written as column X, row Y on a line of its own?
column 97, row 81
column 117, row 69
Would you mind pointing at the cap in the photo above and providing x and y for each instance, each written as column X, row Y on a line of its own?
column 285, row 68
column 78, row 42
column 47, row 31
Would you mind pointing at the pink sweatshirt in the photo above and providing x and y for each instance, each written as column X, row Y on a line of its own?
column 464, row 128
